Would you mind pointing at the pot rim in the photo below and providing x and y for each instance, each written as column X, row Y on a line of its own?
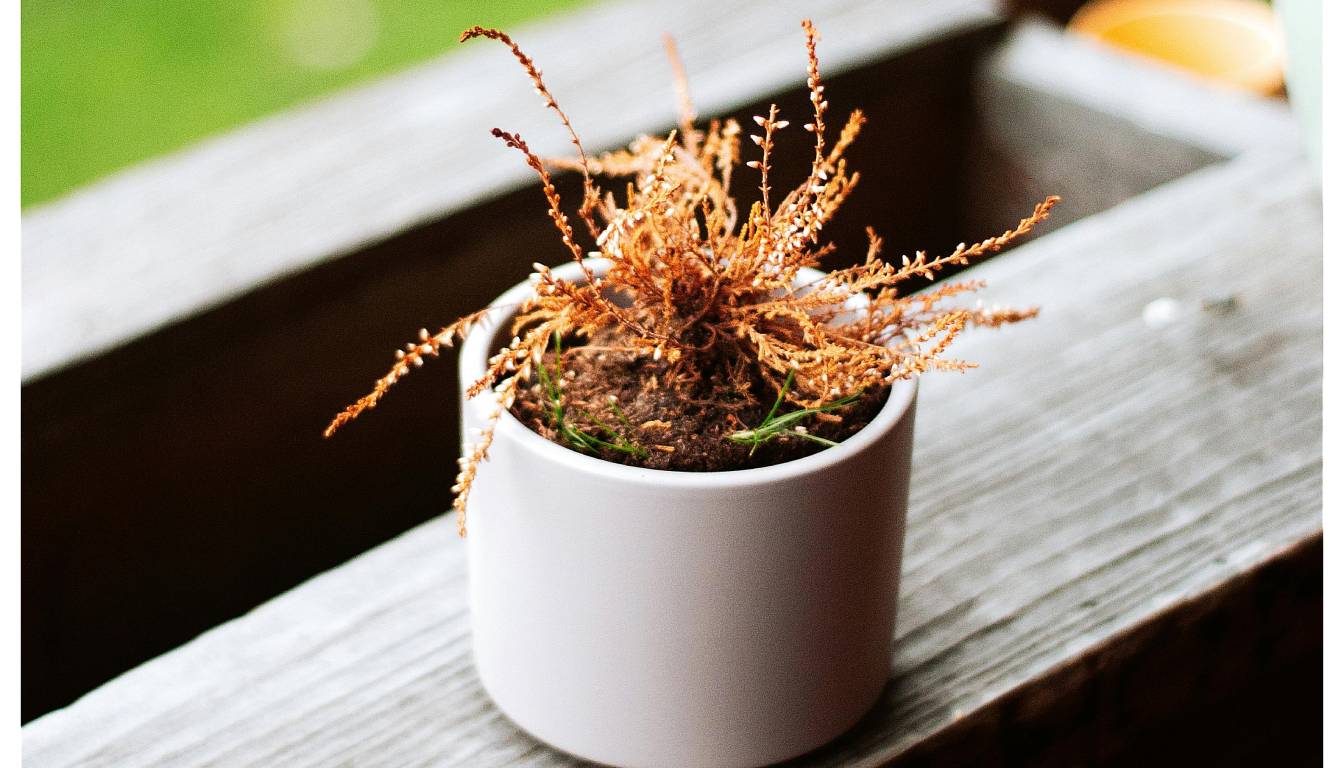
column 471, row 366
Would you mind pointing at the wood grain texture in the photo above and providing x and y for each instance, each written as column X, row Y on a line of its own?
column 1052, row 118
column 1100, row 470
column 189, row 231
column 1150, row 96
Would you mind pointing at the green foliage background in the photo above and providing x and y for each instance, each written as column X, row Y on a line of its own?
column 107, row 84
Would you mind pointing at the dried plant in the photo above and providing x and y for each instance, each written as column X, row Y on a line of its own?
column 706, row 290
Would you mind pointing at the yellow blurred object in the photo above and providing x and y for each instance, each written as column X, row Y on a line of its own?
column 1235, row 42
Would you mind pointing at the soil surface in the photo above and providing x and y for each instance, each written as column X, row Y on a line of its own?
column 658, row 429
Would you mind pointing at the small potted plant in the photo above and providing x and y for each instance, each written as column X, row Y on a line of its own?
column 687, row 452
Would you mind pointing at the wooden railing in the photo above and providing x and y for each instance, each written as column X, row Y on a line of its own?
column 1112, row 534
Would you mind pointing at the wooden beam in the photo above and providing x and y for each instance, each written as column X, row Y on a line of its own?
column 1039, row 58
column 1151, row 439
column 1056, row 114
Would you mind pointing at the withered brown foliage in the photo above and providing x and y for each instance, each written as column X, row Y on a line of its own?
column 707, row 287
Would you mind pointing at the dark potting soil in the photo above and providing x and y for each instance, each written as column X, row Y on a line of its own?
column 661, row 430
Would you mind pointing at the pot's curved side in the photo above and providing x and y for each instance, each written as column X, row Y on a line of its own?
column 650, row 618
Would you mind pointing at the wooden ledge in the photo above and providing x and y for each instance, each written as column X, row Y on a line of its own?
column 1144, row 450
column 1161, row 100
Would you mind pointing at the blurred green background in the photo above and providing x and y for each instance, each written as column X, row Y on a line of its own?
column 107, row 84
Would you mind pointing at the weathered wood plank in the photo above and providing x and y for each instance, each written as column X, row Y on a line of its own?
column 1057, row 114
column 192, row 230
column 1152, row 97
column 1110, row 462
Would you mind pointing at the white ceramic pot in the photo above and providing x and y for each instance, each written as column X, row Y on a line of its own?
column 642, row 617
